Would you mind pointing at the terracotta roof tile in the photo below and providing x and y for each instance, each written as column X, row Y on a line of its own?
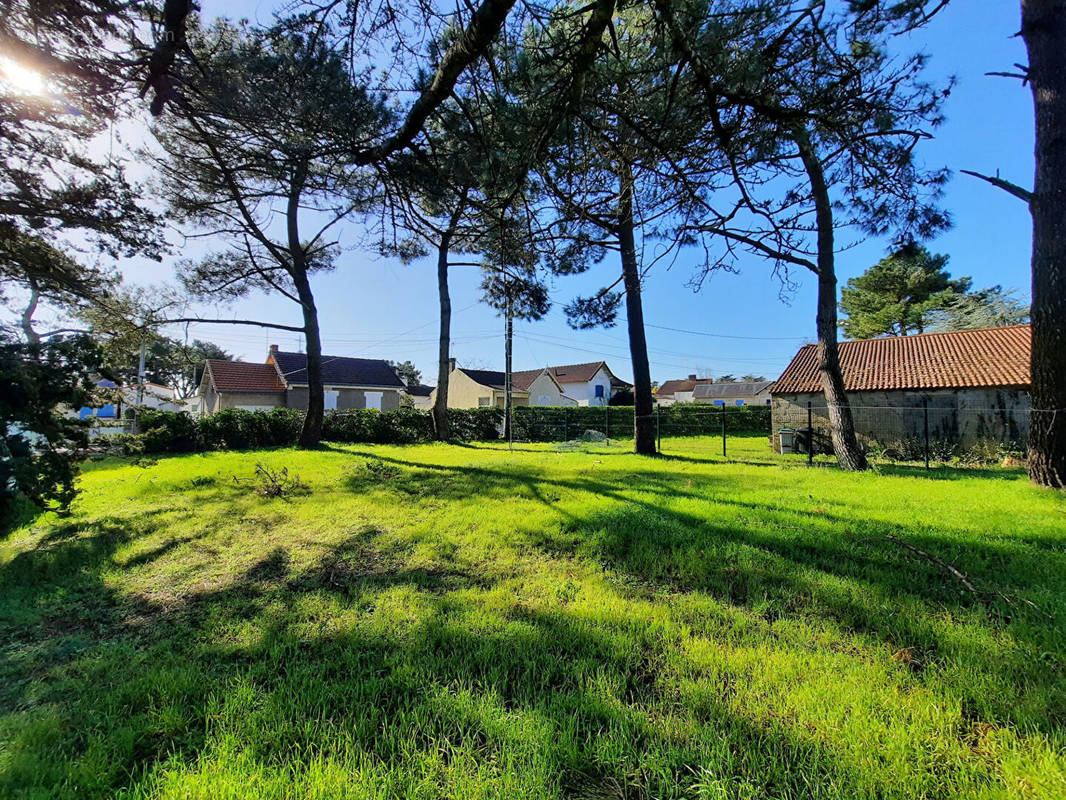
column 956, row 360
column 576, row 373
column 237, row 376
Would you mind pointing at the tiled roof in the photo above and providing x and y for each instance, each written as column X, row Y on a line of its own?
column 523, row 379
column 495, row 380
column 339, row 370
column 718, row 390
column 238, row 376
column 956, row 360
column 419, row 390
column 672, row 387
column 577, row 373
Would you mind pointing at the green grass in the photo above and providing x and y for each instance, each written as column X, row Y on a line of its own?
column 467, row 622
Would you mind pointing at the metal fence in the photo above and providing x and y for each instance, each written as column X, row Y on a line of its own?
column 918, row 434
column 541, row 424
column 926, row 433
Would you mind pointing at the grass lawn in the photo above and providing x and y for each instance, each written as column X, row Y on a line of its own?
column 467, row 622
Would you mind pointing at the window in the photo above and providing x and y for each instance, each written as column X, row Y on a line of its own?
column 544, row 400
column 740, row 402
column 331, row 399
column 767, row 401
column 719, row 402
column 373, row 400
column 599, row 390
column 484, row 402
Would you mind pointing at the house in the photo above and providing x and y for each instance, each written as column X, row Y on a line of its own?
column 733, row 394
column 281, row 382
column 679, row 391
column 421, row 395
column 966, row 385
column 155, row 396
column 591, row 384
column 350, row 382
column 479, row 388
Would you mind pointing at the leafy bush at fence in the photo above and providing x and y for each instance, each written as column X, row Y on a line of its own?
column 167, row 432
column 681, row 419
column 240, row 429
column 475, row 424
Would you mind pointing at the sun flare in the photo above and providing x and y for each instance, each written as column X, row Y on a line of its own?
column 21, row 79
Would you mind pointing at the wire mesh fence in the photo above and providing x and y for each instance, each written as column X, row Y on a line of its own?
column 926, row 433
column 929, row 434
column 540, row 424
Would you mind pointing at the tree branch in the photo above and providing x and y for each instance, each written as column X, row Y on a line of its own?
column 1007, row 186
column 297, row 329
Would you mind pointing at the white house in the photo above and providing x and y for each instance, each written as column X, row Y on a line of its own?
column 591, row 384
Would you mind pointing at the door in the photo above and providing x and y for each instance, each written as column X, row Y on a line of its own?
column 331, row 399
column 373, row 400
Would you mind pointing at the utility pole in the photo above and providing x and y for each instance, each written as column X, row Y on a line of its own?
column 507, row 389
column 140, row 389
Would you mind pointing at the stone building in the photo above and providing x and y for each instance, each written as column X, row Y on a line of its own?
column 966, row 386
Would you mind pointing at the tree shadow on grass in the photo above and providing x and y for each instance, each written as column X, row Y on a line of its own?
column 534, row 701
column 819, row 565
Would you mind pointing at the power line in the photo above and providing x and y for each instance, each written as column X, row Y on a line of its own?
column 729, row 336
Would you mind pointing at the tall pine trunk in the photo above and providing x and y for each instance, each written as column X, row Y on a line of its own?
column 311, row 433
column 643, row 422
column 508, row 385
column 444, row 367
column 1044, row 31
column 849, row 453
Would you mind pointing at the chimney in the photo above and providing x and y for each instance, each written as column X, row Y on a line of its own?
column 273, row 349
column 692, row 377
column 451, row 365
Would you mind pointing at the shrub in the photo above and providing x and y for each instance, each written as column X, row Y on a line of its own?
column 616, row 422
column 167, row 431
column 239, row 429
column 236, row 429
column 475, row 424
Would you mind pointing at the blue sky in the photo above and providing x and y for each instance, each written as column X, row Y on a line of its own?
column 374, row 307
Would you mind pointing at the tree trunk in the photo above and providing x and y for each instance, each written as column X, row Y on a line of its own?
column 1044, row 31
column 841, row 424
column 311, row 434
column 444, row 368
column 643, row 422
column 508, row 388
column 27, row 315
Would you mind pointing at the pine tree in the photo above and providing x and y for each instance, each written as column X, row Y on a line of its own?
column 900, row 294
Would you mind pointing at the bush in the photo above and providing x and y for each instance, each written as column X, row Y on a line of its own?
column 239, row 429
column 475, row 424
column 167, row 431
column 616, row 422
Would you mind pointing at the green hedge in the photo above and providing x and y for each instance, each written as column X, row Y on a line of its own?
column 681, row 419
column 238, row 429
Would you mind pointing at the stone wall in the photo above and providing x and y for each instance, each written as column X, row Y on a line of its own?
column 964, row 416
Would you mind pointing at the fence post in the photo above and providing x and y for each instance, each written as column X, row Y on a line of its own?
column 566, row 424
column 723, row 431
column 607, row 421
column 925, row 411
column 658, row 430
column 810, row 434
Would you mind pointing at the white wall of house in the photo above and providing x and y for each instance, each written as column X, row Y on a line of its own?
column 545, row 392
column 585, row 393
